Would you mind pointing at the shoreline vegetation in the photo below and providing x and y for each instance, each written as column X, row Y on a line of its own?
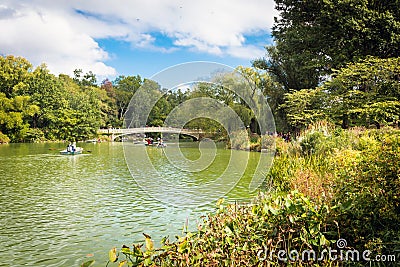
column 327, row 186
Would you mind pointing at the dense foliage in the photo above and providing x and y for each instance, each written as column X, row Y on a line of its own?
column 350, row 48
column 314, row 37
column 37, row 105
column 361, row 94
column 355, row 172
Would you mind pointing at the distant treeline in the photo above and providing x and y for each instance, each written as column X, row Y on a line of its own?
column 37, row 105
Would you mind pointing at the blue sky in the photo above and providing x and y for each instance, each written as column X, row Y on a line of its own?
column 123, row 37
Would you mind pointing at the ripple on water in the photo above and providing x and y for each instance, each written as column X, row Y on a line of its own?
column 54, row 209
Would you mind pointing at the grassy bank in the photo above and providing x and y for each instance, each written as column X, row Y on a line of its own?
column 333, row 190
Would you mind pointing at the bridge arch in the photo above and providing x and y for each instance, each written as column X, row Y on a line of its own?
column 118, row 132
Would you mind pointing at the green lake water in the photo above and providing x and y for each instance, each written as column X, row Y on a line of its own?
column 55, row 210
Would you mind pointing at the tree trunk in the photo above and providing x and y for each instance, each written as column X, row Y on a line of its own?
column 345, row 121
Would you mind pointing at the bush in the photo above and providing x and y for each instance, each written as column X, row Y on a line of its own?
column 356, row 173
column 268, row 142
column 310, row 142
column 4, row 138
column 242, row 235
column 34, row 135
column 368, row 180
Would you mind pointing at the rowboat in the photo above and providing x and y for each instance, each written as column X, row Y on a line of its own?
column 78, row 150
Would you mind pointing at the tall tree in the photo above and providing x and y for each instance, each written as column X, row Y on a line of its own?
column 314, row 37
column 14, row 71
column 361, row 94
column 87, row 79
column 125, row 87
column 365, row 92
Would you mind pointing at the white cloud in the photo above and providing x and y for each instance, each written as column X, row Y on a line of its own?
column 44, row 36
column 63, row 33
column 246, row 52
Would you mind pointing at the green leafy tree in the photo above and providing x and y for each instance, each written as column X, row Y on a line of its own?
column 14, row 71
column 49, row 94
column 361, row 94
column 314, row 37
column 304, row 107
column 272, row 90
column 87, row 79
column 366, row 92
column 14, row 114
column 125, row 87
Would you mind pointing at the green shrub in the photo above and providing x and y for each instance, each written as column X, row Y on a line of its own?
column 34, row 135
column 310, row 142
column 268, row 142
column 369, row 181
column 4, row 138
column 242, row 235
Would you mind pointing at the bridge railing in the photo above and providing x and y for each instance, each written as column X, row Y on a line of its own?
column 148, row 130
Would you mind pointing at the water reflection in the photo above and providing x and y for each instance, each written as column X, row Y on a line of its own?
column 54, row 210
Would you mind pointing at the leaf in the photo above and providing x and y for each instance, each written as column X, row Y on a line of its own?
column 88, row 263
column 273, row 210
column 323, row 241
column 122, row 263
column 228, row 231
column 149, row 242
column 126, row 250
column 112, row 255
column 220, row 201
column 146, row 235
column 346, row 205
column 229, row 240
column 182, row 246
column 147, row 262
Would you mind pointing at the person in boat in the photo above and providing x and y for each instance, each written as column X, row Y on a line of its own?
column 73, row 147
column 160, row 142
column 69, row 147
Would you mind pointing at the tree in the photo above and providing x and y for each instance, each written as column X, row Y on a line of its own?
column 87, row 79
column 125, row 87
column 37, row 105
column 304, row 107
column 84, row 110
column 366, row 92
column 272, row 90
column 13, row 116
column 47, row 92
column 139, row 110
column 361, row 94
column 314, row 37
column 14, row 71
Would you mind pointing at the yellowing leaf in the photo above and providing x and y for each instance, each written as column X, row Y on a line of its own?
column 122, row 263
column 149, row 243
column 112, row 255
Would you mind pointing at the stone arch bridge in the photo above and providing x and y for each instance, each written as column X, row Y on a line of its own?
column 119, row 132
